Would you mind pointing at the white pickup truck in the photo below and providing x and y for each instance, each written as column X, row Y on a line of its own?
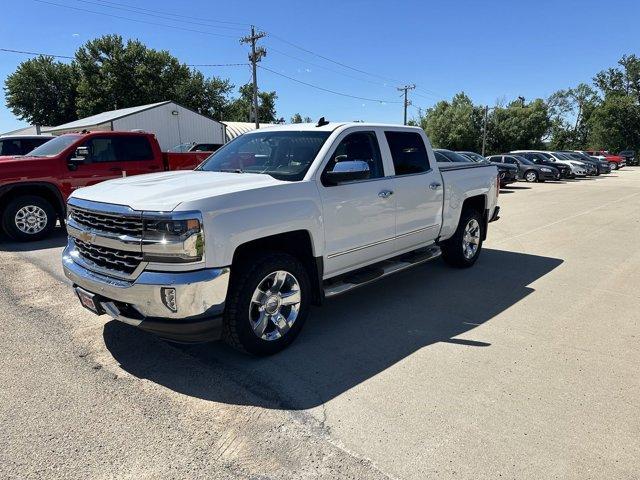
column 274, row 221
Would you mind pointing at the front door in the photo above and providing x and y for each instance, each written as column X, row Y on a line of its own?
column 359, row 217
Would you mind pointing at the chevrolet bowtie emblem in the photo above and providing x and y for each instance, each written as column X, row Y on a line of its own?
column 87, row 237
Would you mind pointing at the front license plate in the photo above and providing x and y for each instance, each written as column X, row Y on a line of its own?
column 88, row 300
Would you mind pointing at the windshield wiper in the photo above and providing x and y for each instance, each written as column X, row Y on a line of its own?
column 231, row 170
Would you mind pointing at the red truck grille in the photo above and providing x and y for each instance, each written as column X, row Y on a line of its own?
column 119, row 224
column 109, row 258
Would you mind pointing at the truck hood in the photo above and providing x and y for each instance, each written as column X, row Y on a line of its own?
column 166, row 190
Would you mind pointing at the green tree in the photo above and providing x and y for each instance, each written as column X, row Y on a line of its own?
column 456, row 125
column 570, row 111
column 518, row 126
column 42, row 91
column 117, row 74
column 615, row 124
column 297, row 118
column 239, row 110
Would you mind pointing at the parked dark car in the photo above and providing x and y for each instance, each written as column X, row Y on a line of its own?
column 443, row 155
column 594, row 166
column 506, row 173
column 527, row 170
column 541, row 159
column 14, row 145
column 630, row 157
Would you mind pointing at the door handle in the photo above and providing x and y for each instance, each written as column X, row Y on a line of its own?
column 435, row 186
column 385, row 193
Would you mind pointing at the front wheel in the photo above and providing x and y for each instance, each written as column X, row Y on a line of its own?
column 463, row 248
column 267, row 304
column 531, row 176
column 28, row 218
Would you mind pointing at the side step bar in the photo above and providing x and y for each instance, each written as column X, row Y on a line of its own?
column 366, row 275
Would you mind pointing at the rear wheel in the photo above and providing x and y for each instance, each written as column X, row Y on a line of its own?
column 463, row 248
column 531, row 176
column 28, row 218
column 614, row 165
column 267, row 305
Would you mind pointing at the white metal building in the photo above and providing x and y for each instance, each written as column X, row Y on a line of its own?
column 235, row 129
column 171, row 123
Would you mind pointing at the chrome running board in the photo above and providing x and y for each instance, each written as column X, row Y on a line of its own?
column 349, row 281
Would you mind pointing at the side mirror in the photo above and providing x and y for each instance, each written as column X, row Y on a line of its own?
column 79, row 158
column 347, row 171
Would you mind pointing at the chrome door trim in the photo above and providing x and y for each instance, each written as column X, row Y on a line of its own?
column 362, row 247
column 418, row 230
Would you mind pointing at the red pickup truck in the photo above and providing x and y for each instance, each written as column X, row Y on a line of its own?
column 616, row 161
column 34, row 187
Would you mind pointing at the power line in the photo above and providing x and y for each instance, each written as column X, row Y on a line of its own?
column 174, row 14
column 376, row 100
column 344, row 65
column 34, row 53
column 327, row 68
column 134, row 19
column 156, row 15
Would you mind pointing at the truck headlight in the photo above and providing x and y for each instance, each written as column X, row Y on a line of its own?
column 173, row 239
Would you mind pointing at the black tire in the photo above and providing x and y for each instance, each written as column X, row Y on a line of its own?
column 10, row 226
column 237, row 329
column 453, row 249
column 614, row 166
column 534, row 180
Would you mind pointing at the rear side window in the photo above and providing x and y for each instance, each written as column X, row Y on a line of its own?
column 133, row 149
column 10, row 147
column 408, row 152
column 440, row 157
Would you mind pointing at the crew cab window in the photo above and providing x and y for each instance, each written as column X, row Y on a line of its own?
column 359, row 146
column 118, row 149
column 510, row 160
column 408, row 152
column 10, row 147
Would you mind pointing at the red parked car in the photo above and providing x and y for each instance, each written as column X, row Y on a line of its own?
column 34, row 188
column 615, row 161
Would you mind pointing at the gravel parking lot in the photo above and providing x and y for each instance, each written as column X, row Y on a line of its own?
column 525, row 366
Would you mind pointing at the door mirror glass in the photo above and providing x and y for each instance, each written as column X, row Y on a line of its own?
column 347, row 171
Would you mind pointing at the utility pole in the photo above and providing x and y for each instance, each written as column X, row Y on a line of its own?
column 406, row 102
column 254, row 57
column 484, row 129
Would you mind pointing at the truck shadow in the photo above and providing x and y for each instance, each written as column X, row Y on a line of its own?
column 58, row 238
column 347, row 341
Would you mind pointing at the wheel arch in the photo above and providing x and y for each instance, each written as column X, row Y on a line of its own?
column 479, row 204
column 46, row 190
column 297, row 243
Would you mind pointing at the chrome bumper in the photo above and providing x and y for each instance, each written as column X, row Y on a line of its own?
column 199, row 295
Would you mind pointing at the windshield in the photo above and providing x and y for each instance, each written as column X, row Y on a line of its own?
column 54, row 147
column 181, row 148
column 476, row 157
column 285, row 155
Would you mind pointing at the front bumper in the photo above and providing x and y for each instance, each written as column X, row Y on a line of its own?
column 549, row 175
column 507, row 177
column 199, row 299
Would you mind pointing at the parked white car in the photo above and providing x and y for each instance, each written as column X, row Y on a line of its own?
column 274, row 221
column 578, row 169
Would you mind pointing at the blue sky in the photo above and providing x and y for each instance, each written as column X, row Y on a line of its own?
column 489, row 49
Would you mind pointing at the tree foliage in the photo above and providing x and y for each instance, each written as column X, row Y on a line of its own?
column 297, row 118
column 456, row 125
column 239, row 110
column 42, row 91
column 109, row 73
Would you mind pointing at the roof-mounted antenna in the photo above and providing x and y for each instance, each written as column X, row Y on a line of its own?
column 322, row 122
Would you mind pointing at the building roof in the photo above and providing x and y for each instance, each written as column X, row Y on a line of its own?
column 235, row 129
column 104, row 117
column 30, row 130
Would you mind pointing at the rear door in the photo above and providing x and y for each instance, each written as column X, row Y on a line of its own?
column 418, row 189
column 359, row 216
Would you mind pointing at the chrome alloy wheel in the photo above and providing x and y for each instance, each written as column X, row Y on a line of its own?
column 530, row 177
column 31, row 219
column 275, row 305
column 471, row 239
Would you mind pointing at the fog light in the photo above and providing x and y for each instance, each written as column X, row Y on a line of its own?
column 169, row 298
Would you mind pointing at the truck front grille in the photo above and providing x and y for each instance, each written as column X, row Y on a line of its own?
column 116, row 260
column 119, row 224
